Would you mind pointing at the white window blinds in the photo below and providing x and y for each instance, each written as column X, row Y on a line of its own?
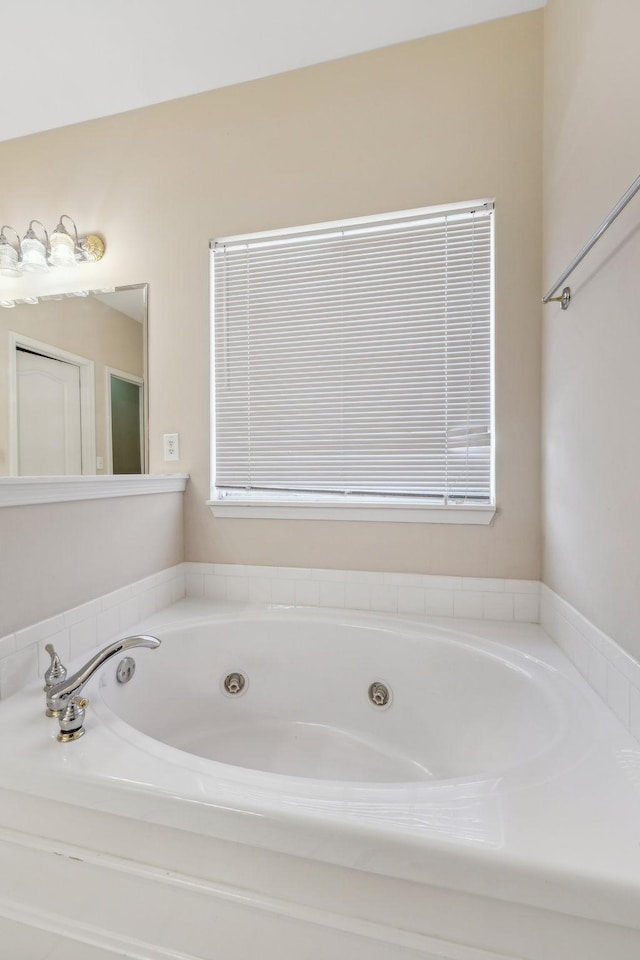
column 355, row 360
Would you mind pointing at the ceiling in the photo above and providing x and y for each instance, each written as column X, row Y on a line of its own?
column 70, row 60
column 128, row 300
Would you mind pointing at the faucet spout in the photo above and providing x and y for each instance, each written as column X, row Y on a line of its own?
column 62, row 693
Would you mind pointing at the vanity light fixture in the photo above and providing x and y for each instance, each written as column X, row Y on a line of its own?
column 10, row 254
column 35, row 254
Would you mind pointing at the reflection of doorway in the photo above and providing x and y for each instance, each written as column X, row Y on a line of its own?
column 125, row 420
column 53, row 415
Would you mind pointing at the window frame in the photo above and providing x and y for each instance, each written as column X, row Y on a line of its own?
column 318, row 507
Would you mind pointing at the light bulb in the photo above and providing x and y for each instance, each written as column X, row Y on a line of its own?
column 34, row 254
column 8, row 258
column 62, row 248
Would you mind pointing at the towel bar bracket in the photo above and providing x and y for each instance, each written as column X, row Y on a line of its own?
column 564, row 300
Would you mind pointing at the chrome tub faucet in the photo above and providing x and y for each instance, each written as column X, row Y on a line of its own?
column 64, row 699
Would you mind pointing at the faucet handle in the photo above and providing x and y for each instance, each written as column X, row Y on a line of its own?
column 71, row 720
column 55, row 672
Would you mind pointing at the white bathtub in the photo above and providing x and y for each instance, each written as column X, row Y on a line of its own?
column 488, row 812
column 458, row 710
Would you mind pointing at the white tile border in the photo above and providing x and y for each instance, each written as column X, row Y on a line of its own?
column 73, row 632
column 608, row 669
column 411, row 593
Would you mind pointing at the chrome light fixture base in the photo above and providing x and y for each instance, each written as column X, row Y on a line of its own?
column 93, row 248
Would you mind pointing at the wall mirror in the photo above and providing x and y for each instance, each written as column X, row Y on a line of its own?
column 73, row 384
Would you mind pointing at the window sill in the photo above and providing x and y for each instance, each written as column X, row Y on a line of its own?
column 397, row 513
column 23, row 491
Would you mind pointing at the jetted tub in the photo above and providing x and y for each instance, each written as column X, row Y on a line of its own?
column 487, row 809
column 335, row 699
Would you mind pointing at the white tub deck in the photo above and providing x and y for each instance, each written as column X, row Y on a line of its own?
column 543, row 863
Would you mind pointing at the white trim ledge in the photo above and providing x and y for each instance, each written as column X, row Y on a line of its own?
column 23, row 491
column 405, row 513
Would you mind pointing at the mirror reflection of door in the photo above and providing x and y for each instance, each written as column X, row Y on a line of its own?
column 97, row 332
column 126, row 410
column 49, row 415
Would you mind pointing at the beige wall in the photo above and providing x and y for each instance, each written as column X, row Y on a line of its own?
column 592, row 352
column 86, row 327
column 451, row 117
column 55, row 556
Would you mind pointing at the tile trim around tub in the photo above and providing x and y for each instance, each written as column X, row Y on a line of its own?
column 468, row 597
column 608, row 668
column 73, row 632
column 612, row 672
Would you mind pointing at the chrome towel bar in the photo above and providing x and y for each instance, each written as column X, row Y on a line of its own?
column 565, row 298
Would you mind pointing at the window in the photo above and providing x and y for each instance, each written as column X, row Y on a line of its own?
column 353, row 368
